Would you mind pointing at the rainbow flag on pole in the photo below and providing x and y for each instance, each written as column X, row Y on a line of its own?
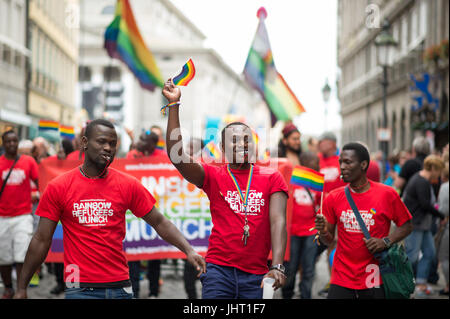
column 262, row 75
column 124, row 41
column 67, row 132
column 309, row 178
column 186, row 75
column 47, row 125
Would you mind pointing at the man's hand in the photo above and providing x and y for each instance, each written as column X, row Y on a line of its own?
column 171, row 92
column 375, row 245
column 20, row 294
column 280, row 278
column 197, row 261
column 321, row 223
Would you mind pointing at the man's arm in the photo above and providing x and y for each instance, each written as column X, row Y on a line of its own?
column 325, row 229
column 277, row 215
column 376, row 245
column 192, row 171
column 399, row 182
column 37, row 251
column 173, row 236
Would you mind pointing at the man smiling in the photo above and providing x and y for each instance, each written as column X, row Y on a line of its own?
column 248, row 210
column 91, row 201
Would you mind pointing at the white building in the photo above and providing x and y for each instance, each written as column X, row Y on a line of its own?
column 13, row 55
column 173, row 39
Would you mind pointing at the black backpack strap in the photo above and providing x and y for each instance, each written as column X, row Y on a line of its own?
column 356, row 212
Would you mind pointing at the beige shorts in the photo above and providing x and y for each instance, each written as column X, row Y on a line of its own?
column 15, row 236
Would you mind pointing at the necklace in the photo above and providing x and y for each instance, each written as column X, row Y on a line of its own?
column 101, row 175
column 359, row 187
column 243, row 200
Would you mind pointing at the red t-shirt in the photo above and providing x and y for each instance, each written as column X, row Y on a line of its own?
column 226, row 247
column 16, row 197
column 373, row 171
column 304, row 211
column 329, row 166
column 92, row 213
column 378, row 207
column 136, row 154
column 75, row 156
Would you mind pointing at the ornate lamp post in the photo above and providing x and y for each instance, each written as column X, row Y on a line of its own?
column 386, row 46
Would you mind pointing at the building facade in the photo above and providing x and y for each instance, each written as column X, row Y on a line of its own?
column 13, row 57
column 108, row 89
column 53, row 41
column 417, row 98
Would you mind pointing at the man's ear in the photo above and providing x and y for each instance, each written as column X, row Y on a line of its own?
column 84, row 143
column 364, row 165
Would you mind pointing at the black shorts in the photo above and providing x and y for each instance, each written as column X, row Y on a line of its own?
column 339, row 292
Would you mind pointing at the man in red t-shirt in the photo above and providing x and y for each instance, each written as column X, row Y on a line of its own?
column 91, row 202
column 248, row 210
column 303, row 247
column 355, row 273
column 16, row 221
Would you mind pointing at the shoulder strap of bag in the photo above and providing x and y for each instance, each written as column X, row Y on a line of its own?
column 356, row 212
column 7, row 176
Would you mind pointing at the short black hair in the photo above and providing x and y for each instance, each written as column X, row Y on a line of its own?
column 67, row 146
column 94, row 123
column 232, row 124
column 360, row 150
column 306, row 157
column 6, row 133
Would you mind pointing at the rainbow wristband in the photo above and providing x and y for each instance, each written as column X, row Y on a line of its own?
column 163, row 109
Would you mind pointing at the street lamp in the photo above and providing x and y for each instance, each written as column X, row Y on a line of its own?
column 386, row 46
column 326, row 91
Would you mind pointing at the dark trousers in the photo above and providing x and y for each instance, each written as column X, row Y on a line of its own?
column 338, row 292
column 190, row 276
column 153, row 273
column 303, row 252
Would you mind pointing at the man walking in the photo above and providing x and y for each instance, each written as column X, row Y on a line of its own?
column 16, row 221
column 248, row 210
column 91, row 201
column 354, row 263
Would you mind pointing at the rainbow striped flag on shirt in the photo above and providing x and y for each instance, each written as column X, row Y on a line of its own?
column 67, row 132
column 47, row 125
column 262, row 75
column 309, row 178
column 123, row 41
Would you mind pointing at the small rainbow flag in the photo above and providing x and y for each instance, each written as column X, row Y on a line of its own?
column 161, row 144
column 186, row 74
column 67, row 132
column 45, row 125
column 213, row 150
column 309, row 178
column 373, row 211
column 124, row 41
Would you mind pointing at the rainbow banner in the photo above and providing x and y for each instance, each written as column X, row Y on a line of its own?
column 67, row 132
column 262, row 75
column 186, row 75
column 123, row 41
column 309, row 178
column 45, row 125
column 213, row 150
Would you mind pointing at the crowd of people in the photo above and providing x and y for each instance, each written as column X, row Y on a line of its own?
column 409, row 191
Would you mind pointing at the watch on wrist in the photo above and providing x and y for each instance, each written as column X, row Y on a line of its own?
column 387, row 242
column 279, row 267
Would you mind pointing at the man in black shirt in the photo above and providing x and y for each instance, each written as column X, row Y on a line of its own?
column 421, row 149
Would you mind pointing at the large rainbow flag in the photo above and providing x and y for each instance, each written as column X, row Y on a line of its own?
column 124, row 41
column 309, row 178
column 262, row 75
column 67, row 132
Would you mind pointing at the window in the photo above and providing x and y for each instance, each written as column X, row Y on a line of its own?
column 423, row 18
column 84, row 74
column 108, row 10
